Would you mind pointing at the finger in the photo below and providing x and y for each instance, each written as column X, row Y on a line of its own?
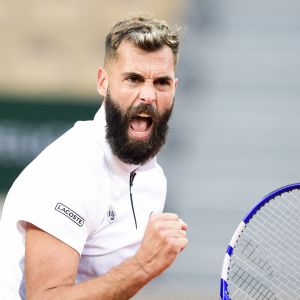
column 184, row 226
column 164, row 216
column 179, row 224
column 181, row 243
column 167, row 225
column 177, row 233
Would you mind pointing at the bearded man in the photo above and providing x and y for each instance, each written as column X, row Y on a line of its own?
column 85, row 219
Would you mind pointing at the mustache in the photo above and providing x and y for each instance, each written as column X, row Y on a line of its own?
column 143, row 108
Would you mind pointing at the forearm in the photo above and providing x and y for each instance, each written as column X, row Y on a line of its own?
column 51, row 274
column 120, row 283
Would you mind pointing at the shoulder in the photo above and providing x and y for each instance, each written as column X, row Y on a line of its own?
column 74, row 152
column 69, row 171
column 81, row 141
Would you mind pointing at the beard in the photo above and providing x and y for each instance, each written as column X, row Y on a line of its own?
column 129, row 150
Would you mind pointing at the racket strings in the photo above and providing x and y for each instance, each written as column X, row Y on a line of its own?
column 288, row 239
column 281, row 242
column 284, row 236
column 254, row 288
column 249, row 249
column 251, row 284
column 280, row 261
column 266, row 260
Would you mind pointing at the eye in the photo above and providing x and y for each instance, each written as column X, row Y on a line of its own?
column 134, row 78
column 162, row 81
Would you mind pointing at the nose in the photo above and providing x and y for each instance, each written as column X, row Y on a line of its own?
column 148, row 93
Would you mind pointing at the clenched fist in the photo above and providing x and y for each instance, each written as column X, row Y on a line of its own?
column 165, row 237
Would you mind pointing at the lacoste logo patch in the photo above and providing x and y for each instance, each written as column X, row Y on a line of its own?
column 111, row 215
column 68, row 212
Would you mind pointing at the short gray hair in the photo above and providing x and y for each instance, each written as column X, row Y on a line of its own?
column 144, row 32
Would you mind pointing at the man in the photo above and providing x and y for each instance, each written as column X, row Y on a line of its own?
column 84, row 220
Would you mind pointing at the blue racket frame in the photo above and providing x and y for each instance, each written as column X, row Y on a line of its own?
column 224, row 285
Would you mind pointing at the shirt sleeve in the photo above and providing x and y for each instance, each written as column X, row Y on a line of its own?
column 51, row 198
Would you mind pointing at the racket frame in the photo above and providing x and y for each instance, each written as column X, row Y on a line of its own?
column 230, row 249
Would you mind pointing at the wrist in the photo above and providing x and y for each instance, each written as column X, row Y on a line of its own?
column 142, row 266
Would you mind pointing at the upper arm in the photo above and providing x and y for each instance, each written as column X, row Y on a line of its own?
column 49, row 262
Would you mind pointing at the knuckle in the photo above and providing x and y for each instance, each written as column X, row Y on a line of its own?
column 171, row 216
column 156, row 227
column 154, row 215
column 182, row 233
column 175, row 216
column 172, row 243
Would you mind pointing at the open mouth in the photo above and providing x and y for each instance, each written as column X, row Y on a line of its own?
column 140, row 126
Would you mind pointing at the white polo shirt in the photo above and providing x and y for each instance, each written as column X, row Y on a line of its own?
column 79, row 192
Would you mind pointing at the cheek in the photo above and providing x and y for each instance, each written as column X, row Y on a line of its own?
column 165, row 102
column 124, row 97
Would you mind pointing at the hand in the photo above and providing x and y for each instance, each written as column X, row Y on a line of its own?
column 165, row 237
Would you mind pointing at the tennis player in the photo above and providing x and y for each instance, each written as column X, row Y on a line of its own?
column 84, row 220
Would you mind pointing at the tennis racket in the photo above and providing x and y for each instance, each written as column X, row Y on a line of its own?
column 262, row 260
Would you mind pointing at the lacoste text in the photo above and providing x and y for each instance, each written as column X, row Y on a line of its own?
column 72, row 215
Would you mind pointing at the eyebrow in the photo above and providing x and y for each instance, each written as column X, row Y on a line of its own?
column 133, row 74
column 139, row 76
column 164, row 78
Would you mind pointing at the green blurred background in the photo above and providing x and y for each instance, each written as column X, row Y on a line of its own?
column 27, row 127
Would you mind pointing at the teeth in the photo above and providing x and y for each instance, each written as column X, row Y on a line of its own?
column 143, row 115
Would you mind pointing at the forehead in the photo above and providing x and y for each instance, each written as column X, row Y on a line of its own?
column 131, row 58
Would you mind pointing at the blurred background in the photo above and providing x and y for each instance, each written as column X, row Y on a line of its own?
column 235, row 131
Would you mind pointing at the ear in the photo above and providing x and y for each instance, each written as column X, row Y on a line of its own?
column 102, row 82
column 176, row 82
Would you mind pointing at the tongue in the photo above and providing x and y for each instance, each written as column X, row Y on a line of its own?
column 139, row 124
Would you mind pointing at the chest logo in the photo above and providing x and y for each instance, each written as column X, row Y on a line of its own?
column 111, row 215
